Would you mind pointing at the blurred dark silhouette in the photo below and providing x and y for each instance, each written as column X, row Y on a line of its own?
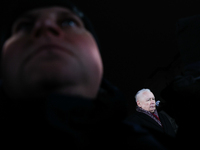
column 182, row 94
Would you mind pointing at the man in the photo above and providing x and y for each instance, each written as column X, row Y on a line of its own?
column 147, row 116
column 53, row 93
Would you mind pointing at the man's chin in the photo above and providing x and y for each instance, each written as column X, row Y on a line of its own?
column 152, row 110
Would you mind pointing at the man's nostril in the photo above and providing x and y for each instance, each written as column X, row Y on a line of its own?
column 45, row 31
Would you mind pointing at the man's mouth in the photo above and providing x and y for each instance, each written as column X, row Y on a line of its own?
column 152, row 106
column 49, row 47
column 47, row 50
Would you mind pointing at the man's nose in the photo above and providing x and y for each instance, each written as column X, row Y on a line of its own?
column 153, row 101
column 46, row 27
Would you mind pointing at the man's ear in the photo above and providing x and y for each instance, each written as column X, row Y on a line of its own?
column 138, row 103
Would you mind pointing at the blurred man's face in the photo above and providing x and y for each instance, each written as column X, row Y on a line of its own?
column 147, row 101
column 50, row 47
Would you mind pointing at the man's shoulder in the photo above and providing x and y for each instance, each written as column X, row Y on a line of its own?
column 138, row 117
column 167, row 118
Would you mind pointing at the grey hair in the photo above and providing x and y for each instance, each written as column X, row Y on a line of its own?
column 140, row 92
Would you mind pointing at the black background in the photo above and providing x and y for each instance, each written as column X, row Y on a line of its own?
column 136, row 38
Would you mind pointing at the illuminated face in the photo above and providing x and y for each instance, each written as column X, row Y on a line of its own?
column 51, row 49
column 146, row 101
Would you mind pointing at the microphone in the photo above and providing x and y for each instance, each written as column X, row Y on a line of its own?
column 157, row 103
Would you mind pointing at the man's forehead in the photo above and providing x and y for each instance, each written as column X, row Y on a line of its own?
column 41, row 11
column 147, row 94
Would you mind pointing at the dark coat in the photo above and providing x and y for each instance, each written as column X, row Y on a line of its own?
column 163, row 134
column 148, row 123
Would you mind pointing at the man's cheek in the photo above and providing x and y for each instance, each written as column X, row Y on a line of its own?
column 83, row 40
column 11, row 58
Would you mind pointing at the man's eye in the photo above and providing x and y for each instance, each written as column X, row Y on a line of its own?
column 68, row 22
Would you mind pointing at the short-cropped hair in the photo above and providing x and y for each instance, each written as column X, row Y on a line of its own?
column 141, row 92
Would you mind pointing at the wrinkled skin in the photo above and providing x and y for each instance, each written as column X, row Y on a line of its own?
column 147, row 101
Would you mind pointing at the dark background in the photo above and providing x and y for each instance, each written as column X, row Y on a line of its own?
column 138, row 41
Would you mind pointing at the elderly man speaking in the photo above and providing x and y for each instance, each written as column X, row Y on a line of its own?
column 147, row 115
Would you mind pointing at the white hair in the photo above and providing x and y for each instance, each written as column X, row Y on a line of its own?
column 141, row 92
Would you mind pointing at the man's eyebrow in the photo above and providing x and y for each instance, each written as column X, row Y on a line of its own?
column 67, row 14
column 61, row 13
column 151, row 98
